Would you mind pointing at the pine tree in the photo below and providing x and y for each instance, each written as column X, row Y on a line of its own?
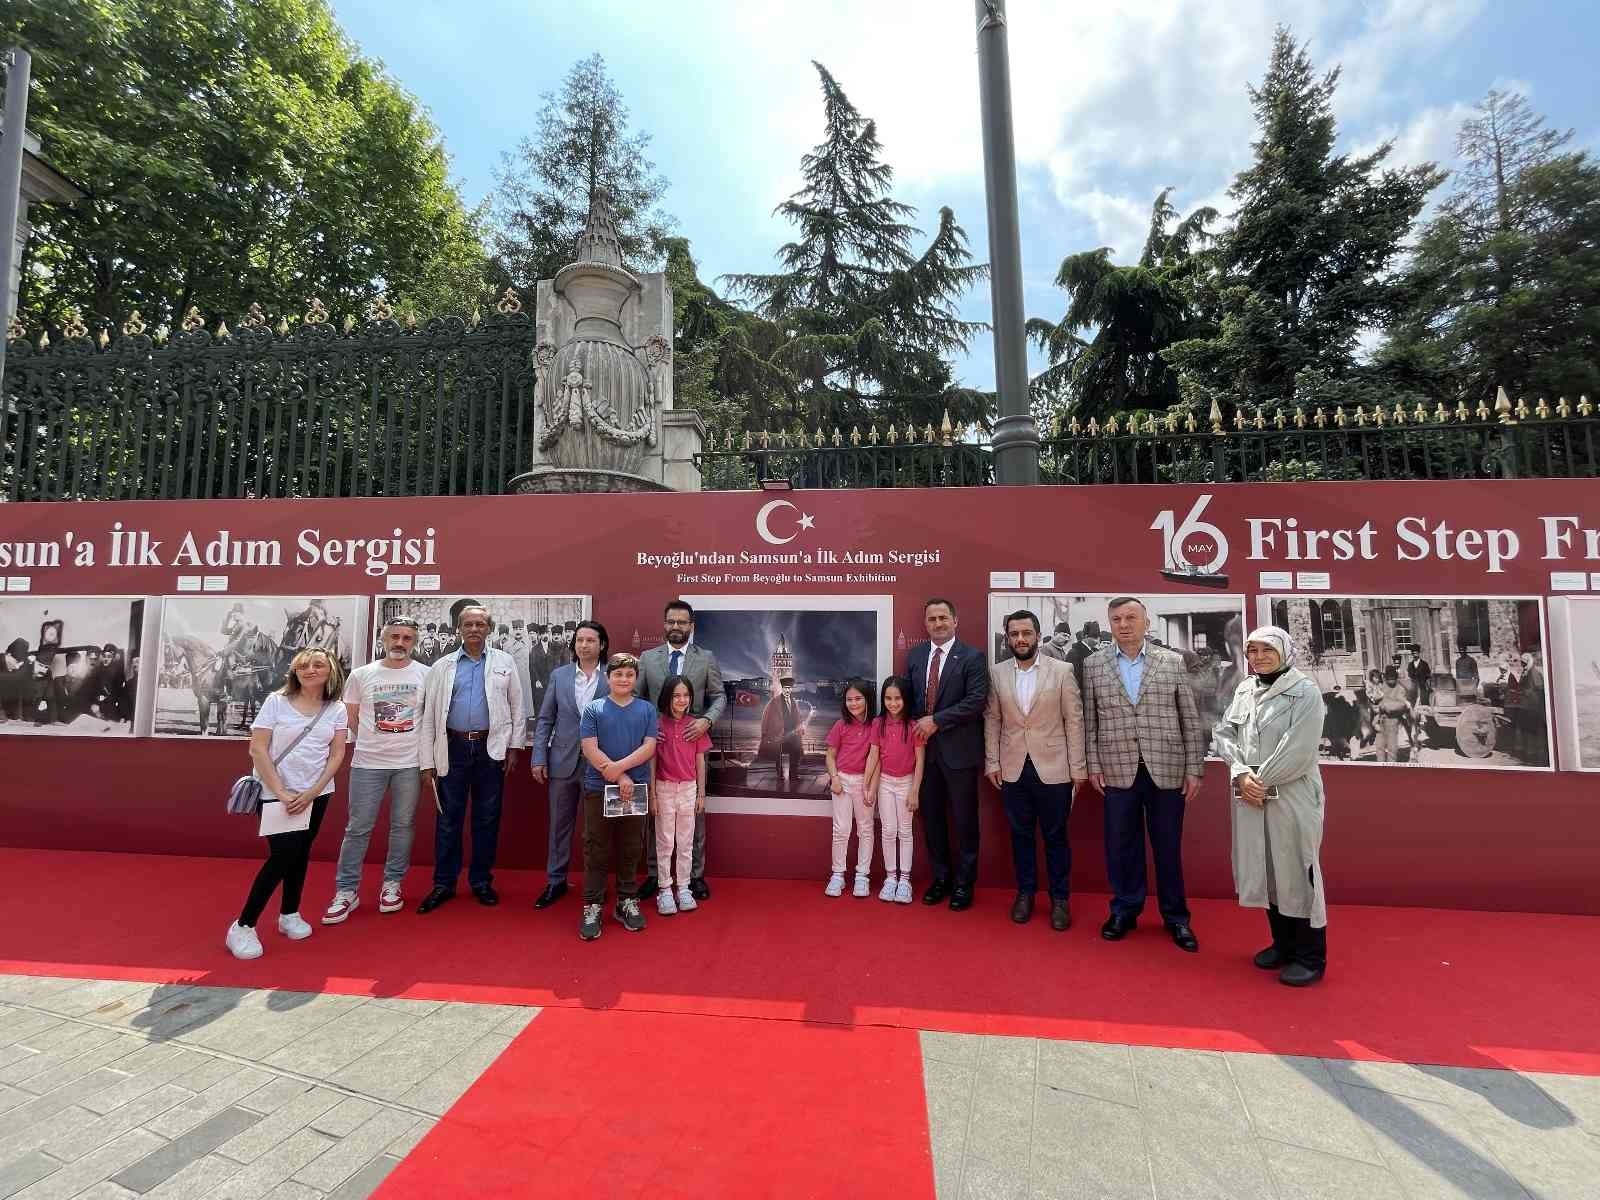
column 543, row 189
column 1303, row 270
column 868, row 325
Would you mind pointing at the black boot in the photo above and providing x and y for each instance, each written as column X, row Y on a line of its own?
column 1278, row 955
column 1310, row 955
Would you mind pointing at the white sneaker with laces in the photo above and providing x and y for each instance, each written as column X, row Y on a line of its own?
column 886, row 892
column 902, row 890
column 665, row 904
column 835, row 885
column 293, row 926
column 686, row 900
column 390, row 899
column 863, row 887
column 342, row 905
column 242, row 941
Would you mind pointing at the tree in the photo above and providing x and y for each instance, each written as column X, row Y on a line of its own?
column 1504, row 286
column 1136, row 312
column 543, row 189
column 868, row 325
column 234, row 153
column 1303, row 271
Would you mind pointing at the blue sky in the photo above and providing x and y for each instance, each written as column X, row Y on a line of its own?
column 1114, row 100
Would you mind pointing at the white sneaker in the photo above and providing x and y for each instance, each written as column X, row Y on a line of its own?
column 389, row 898
column 863, row 887
column 887, row 891
column 665, row 904
column 342, row 905
column 686, row 900
column 902, row 890
column 293, row 926
column 835, row 885
column 242, row 941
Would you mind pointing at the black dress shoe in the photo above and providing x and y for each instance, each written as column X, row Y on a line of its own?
column 1183, row 938
column 435, row 898
column 1271, row 959
column 1299, row 975
column 486, row 895
column 699, row 889
column 1022, row 908
column 552, row 892
column 937, row 891
column 961, row 899
column 1060, row 916
column 1117, row 928
column 647, row 889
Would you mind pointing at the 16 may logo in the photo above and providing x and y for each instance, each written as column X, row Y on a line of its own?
column 1194, row 550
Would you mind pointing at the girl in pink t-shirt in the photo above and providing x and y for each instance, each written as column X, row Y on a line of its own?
column 852, row 759
column 895, row 784
column 677, row 792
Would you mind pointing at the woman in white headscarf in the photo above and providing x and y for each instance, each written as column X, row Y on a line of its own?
column 1269, row 736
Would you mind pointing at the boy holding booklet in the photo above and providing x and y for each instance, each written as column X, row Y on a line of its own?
column 617, row 734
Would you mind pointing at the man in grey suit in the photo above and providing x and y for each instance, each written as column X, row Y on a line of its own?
column 556, row 758
column 679, row 655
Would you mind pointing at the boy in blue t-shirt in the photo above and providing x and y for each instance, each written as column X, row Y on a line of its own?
column 618, row 735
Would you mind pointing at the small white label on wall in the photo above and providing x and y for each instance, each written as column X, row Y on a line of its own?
column 1594, row 580
column 398, row 583
column 426, row 583
column 215, row 583
column 188, row 583
column 1005, row 580
column 1312, row 581
column 1569, row 581
column 1039, row 579
column 1272, row 581
column 19, row 583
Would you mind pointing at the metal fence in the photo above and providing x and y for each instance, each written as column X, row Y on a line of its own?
column 383, row 407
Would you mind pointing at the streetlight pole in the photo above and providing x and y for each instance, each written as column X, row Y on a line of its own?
column 1016, row 437
column 19, row 66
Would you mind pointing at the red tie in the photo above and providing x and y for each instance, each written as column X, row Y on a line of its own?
column 932, row 690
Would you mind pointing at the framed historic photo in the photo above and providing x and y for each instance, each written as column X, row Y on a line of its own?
column 70, row 665
column 1575, row 652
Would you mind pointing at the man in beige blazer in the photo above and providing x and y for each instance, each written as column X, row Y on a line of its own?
column 1033, row 752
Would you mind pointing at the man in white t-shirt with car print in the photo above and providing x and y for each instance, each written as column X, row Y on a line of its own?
column 383, row 699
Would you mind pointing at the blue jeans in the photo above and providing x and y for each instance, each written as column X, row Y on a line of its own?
column 474, row 773
column 367, row 786
column 1032, row 804
column 1129, row 811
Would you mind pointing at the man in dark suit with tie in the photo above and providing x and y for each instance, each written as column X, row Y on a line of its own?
column 949, row 692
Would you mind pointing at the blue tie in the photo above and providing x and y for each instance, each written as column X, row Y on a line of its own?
column 677, row 662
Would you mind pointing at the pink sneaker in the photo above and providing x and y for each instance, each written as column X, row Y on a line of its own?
column 343, row 904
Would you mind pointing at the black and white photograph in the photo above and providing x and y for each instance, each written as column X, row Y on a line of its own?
column 1208, row 631
column 785, row 663
column 535, row 630
column 221, row 656
column 1452, row 681
column 70, row 664
column 1575, row 648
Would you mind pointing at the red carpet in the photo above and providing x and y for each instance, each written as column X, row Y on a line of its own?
column 662, row 1106
column 1417, row 985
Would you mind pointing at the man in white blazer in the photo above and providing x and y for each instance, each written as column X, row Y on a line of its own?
column 1033, row 753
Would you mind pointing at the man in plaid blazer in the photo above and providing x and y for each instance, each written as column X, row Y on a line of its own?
column 1146, row 752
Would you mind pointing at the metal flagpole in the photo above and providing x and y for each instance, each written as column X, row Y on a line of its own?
column 1016, row 437
column 19, row 66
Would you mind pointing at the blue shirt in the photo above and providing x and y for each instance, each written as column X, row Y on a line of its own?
column 1132, row 672
column 620, row 729
column 469, row 701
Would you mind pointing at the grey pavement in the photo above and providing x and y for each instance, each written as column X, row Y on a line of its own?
column 111, row 1090
column 1019, row 1117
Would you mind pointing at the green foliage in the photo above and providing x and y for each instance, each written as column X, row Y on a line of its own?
column 235, row 153
column 544, row 187
column 865, row 324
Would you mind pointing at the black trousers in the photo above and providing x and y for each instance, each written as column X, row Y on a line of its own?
column 1129, row 811
column 288, row 856
column 1031, row 805
column 948, row 802
column 1294, row 937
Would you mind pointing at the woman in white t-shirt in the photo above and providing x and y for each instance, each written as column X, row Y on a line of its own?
column 304, row 779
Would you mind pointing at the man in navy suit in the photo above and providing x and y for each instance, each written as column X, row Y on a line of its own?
column 949, row 691
column 556, row 760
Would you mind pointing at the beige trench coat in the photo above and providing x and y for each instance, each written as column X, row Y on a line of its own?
column 1276, row 732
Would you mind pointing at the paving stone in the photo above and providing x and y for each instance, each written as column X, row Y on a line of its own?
column 407, row 1142
column 28, row 989
column 516, row 1021
column 365, row 1181
column 275, row 1095
column 1295, row 1100
column 335, row 1045
column 948, row 1089
column 18, row 1173
column 63, row 1050
column 93, row 998
column 353, row 1152
column 1431, row 1149
column 108, row 1057
column 269, row 1170
column 106, row 1190
column 290, row 1190
column 62, row 1032
column 263, row 1022
column 1503, row 1095
column 26, row 1026
column 48, row 1121
column 345, row 1116
column 985, row 1180
column 1189, row 1088
column 288, row 1120
column 960, row 1048
column 92, row 1168
column 210, row 1073
column 73, row 1146
column 199, row 1179
column 1002, row 1117
column 1552, row 1164
column 183, row 1014
column 1014, row 1058
column 1578, row 1095
column 1190, row 1160
column 11, row 1097
column 187, row 1149
column 1090, row 1069
column 1086, row 1148
column 1303, row 1174
column 947, row 1174
column 1397, row 1079
column 139, row 1084
column 445, row 1086
column 401, row 1004
column 394, row 1068
column 223, row 1094
column 14, row 1053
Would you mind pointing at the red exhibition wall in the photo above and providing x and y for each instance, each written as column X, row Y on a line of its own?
column 1484, row 838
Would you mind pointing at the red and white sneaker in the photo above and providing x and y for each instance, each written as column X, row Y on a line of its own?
column 344, row 903
column 390, row 899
